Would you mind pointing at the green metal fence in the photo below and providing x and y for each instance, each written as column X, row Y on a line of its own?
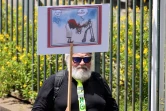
column 127, row 65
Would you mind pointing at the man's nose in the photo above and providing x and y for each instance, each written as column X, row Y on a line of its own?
column 82, row 62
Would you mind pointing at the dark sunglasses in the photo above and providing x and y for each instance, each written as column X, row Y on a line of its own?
column 79, row 59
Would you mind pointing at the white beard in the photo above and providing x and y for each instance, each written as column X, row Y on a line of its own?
column 81, row 73
column 77, row 72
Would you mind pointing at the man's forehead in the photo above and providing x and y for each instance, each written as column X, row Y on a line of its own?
column 82, row 54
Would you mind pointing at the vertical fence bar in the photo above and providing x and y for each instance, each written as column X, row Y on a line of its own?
column 97, row 55
column 45, row 67
column 45, row 2
column 50, row 65
column 89, row 1
column 63, row 61
column 6, row 29
column 69, row 2
column 11, row 20
column 33, row 43
column 17, row 28
column 63, row 56
column 134, row 54
column 83, row 1
column 27, row 30
column 22, row 35
column 51, row 2
column 126, row 58
column 103, row 59
column 97, row 1
column 38, row 66
column 141, row 54
column 118, row 53
column 75, row 2
column 56, row 62
column 111, row 43
column 158, row 55
column 0, row 16
column 57, row 2
column 154, row 58
column 149, row 55
column 45, row 58
column 63, row 2
column 103, row 65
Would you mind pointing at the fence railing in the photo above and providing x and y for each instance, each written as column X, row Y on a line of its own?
column 126, row 67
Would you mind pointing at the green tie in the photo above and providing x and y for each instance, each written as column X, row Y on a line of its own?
column 81, row 99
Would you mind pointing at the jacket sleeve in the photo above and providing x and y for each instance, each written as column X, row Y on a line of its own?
column 111, row 104
column 44, row 100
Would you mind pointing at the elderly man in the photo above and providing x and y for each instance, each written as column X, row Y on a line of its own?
column 89, row 91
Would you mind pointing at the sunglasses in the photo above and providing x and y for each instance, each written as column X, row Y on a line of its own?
column 79, row 59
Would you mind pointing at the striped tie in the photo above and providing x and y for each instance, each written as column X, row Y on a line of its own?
column 81, row 99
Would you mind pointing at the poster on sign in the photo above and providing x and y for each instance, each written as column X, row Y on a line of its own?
column 86, row 26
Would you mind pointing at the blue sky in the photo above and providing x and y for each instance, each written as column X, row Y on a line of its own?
column 71, row 13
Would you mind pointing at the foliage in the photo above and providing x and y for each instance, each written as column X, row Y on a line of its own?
column 22, row 69
column 131, row 71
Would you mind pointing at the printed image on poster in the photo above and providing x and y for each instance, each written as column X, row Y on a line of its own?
column 80, row 25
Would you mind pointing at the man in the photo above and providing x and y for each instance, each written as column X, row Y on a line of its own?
column 88, row 94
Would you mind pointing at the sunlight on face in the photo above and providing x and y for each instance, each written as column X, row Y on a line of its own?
column 80, row 71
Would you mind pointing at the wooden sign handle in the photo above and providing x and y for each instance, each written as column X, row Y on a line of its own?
column 70, row 80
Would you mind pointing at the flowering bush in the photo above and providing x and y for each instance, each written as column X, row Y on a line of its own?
column 130, row 56
column 17, row 61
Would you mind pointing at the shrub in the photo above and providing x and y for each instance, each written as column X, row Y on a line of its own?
column 17, row 61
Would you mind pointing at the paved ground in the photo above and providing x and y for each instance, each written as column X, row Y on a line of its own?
column 12, row 104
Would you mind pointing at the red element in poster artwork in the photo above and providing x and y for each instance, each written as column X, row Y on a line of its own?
column 72, row 24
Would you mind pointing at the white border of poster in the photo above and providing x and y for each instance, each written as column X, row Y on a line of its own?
column 86, row 26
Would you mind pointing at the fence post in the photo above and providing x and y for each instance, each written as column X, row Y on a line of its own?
column 162, row 102
column 155, row 70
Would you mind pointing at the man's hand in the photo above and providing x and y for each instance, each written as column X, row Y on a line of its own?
column 67, row 109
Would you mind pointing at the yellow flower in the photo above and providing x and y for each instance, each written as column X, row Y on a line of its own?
column 137, row 56
column 19, row 8
column 14, row 58
column 29, row 55
column 5, row 48
column 18, row 48
column 145, row 28
column 25, row 18
column 41, row 83
column 21, row 57
column 42, row 58
column 7, row 35
column 24, row 49
column 14, row 39
column 137, row 9
column 122, row 49
column 145, row 50
column 144, row 63
column 14, row 71
column 121, row 83
column 25, row 62
column 2, row 68
column 129, row 51
column 9, row 53
column 24, row 85
column 121, row 71
column 7, row 63
column 1, row 37
column 122, row 18
column 145, row 8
